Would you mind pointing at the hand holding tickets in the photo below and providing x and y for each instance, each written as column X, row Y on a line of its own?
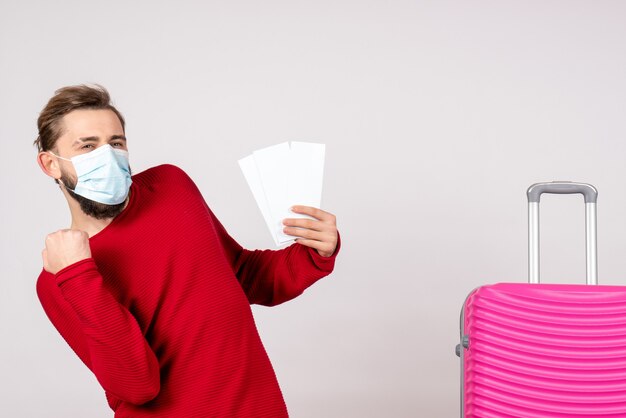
column 290, row 175
column 320, row 234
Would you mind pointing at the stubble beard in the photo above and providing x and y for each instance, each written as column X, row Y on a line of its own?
column 90, row 207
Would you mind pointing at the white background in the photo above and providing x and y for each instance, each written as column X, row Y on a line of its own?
column 437, row 116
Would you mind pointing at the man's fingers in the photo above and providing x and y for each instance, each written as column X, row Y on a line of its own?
column 319, row 233
column 306, row 223
column 316, row 213
column 65, row 247
column 327, row 238
column 304, row 233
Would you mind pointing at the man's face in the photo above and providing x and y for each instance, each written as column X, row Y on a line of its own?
column 83, row 131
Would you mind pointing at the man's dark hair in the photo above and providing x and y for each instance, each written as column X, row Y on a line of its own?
column 64, row 101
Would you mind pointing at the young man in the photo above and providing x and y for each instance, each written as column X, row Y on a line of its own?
column 148, row 288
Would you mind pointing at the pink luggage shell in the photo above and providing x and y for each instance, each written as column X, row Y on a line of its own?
column 542, row 350
column 531, row 350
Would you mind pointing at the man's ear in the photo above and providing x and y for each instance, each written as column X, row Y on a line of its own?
column 49, row 165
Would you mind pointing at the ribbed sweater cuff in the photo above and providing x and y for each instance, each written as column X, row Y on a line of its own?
column 325, row 263
column 74, row 270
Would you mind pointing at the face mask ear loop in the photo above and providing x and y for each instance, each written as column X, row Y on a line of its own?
column 59, row 180
column 58, row 156
column 63, row 184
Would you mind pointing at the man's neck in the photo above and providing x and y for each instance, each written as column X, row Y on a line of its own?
column 89, row 224
column 83, row 222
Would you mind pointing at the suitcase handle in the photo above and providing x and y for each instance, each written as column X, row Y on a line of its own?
column 562, row 187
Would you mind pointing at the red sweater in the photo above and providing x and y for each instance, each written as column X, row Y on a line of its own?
column 161, row 312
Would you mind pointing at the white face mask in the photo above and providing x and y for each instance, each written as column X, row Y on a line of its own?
column 103, row 174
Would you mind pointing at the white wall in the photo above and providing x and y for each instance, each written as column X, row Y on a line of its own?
column 437, row 116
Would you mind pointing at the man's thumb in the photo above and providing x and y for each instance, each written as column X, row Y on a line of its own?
column 44, row 256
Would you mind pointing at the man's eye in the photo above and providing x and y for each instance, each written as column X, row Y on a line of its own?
column 117, row 144
column 86, row 146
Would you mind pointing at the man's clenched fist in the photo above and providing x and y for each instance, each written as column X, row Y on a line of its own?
column 63, row 248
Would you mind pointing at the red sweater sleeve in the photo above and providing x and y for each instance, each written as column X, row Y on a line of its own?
column 102, row 332
column 271, row 277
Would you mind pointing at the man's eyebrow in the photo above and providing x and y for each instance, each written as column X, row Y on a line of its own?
column 95, row 139
column 86, row 139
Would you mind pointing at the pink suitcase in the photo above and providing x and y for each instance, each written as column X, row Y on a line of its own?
column 535, row 350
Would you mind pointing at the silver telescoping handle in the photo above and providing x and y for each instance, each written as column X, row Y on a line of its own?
column 562, row 187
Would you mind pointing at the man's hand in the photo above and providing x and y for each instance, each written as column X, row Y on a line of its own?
column 63, row 248
column 319, row 233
